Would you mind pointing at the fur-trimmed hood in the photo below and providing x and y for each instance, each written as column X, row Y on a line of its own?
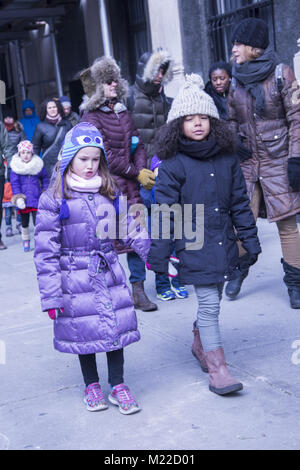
column 34, row 167
column 150, row 63
column 103, row 70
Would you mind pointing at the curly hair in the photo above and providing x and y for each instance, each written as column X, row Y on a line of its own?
column 43, row 108
column 167, row 137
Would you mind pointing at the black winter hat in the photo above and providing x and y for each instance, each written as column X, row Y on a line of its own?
column 251, row 32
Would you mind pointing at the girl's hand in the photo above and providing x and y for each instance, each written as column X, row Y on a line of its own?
column 54, row 312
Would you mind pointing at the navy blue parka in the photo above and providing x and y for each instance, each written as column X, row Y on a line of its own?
column 204, row 174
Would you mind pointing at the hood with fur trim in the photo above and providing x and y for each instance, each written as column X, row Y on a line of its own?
column 31, row 168
column 150, row 63
column 103, row 70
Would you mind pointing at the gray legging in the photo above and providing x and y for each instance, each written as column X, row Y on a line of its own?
column 209, row 298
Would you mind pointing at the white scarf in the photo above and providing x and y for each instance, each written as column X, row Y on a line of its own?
column 76, row 183
column 33, row 167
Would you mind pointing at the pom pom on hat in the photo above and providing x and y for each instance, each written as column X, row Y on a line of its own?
column 192, row 99
column 194, row 79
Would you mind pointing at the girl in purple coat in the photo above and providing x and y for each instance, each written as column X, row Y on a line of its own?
column 82, row 284
column 28, row 179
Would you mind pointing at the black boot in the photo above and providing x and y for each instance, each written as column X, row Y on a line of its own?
column 292, row 281
column 233, row 287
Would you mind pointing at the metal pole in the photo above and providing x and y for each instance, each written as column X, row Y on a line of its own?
column 20, row 70
column 107, row 46
column 55, row 58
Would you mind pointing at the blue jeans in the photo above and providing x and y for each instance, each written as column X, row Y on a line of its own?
column 209, row 298
column 162, row 283
column 136, row 267
column 8, row 215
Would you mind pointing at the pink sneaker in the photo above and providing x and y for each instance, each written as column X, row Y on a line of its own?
column 93, row 398
column 122, row 397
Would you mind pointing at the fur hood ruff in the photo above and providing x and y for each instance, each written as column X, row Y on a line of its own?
column 103, row 70
column 155, row 61
column 31, row 168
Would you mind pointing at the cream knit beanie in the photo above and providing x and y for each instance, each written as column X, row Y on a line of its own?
column 192, row 99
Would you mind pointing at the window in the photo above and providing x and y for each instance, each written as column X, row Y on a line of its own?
column 226, row 13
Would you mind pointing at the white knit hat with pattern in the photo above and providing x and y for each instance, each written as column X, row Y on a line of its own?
column 192, row 99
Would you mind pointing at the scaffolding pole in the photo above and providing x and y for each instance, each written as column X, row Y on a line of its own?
column 105, row 29
column 55, row 58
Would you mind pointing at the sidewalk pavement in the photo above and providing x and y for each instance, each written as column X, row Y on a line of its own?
column 41, row 395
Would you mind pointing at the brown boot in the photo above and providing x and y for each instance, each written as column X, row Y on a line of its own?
column 140, row 300
column 220, row 380
column 197, row 349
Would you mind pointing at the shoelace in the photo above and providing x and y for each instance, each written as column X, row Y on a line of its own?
column 125, row 395
column 95, row 392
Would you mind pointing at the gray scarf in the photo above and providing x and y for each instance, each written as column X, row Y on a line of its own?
column 252, row 73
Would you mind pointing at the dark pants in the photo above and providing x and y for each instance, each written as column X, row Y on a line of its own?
column 115, row 365
column 2, row 181
column 25, row 219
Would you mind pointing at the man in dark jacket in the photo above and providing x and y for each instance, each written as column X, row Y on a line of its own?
column 148, row 103
column 149, row 107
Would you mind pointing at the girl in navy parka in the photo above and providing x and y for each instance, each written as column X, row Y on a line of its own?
column 28, row 179
column 200, row 169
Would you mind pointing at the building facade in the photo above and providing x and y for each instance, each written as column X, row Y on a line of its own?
column 47, row 56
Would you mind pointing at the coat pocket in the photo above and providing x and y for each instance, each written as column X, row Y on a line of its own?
column 276, row 142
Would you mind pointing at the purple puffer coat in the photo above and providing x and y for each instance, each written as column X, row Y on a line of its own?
column 29, row 179
column 82, row 274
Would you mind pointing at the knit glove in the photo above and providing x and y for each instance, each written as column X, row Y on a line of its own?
column 242, row 151
column 247, row 260
column 146, row 178
column 20, row 203
column 294, row 173
column 54, row 312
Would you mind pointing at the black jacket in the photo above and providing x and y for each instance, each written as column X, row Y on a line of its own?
column 214, row 180
column 44, row 141
column 148, row 105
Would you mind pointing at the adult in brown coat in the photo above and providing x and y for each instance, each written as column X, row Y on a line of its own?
column 264, row 109
column 103, row 106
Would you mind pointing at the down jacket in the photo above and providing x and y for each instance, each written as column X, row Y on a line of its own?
column 81, row 273
column 272, row 138
column 213, row 179
column 28, row 179
column 116, row 125
column 148, row 103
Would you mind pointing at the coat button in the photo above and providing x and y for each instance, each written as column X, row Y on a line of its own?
column 90, row 197
column 220, row 243
column 108, row 305
column 212, row 174
column 216, row 209
column 115, row 343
